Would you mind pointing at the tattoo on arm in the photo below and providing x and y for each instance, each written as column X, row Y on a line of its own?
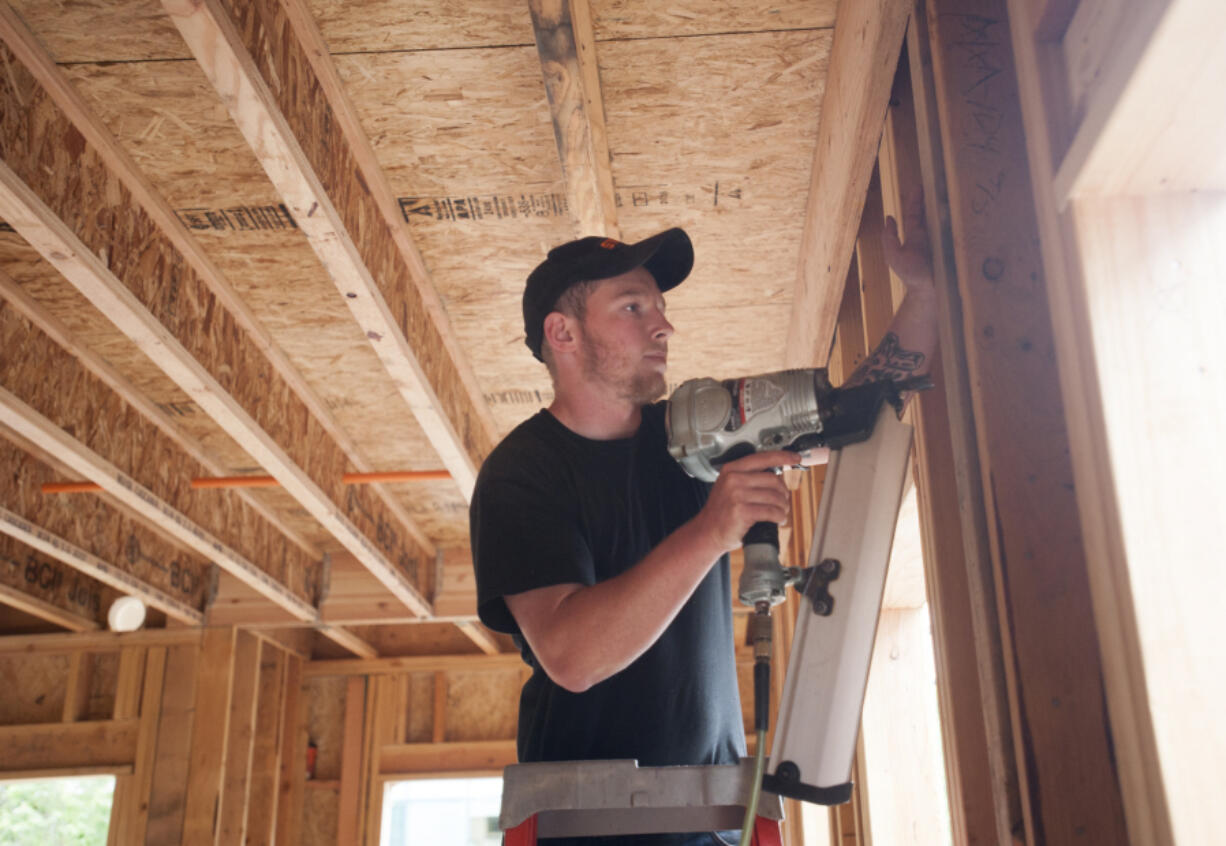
column 888, row 361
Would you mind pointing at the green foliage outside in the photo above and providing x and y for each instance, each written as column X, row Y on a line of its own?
column 56, row 812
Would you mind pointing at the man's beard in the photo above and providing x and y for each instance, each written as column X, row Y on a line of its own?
column 602, row 363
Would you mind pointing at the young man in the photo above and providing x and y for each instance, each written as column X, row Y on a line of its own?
column 595, row 550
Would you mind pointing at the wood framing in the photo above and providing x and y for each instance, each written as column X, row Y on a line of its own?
column 567, row 47
column 1053, row 667
column 139, row 499
column 313, row 170
column 49, row 325
column 93, row 566
column 49, row 611
column 68, row 746
column 412, row 664
column 179, row 344
column 210, row 727
column 867, row 39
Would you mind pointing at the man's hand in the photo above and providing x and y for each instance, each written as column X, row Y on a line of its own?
column 745, row 493
column 912, row 261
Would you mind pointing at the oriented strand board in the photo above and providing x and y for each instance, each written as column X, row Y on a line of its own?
column 482, row 706
column 644, row 19
column 34, row 687
column 103, row 30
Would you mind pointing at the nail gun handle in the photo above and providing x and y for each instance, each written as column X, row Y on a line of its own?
column 762, row 533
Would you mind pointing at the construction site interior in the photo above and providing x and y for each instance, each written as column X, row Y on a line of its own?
column 261, row 264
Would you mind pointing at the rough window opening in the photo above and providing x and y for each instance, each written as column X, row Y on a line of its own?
column 442, row 812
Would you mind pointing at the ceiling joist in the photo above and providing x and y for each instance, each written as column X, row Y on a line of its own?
column 863, row 58
column 567, row 48
column 324, row 169
column 110, row 574
column 24, row 598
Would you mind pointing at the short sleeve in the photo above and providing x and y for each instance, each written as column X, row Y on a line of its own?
column 524, row 534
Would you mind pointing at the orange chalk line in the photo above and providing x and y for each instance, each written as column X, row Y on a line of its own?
column 212, row 482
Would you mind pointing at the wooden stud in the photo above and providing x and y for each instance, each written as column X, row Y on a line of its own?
column 440, row 707
column 293, row 757
column 240, row 744
column 411, row 664
column 76, row 696
column 351, row 761
column 210, row 728
column 867, row 37
column 266, row 756
column 956, row 424
column 567, row 47
column 975, row 798
column 323, row 197
column 1053, row 667
column 133, row 801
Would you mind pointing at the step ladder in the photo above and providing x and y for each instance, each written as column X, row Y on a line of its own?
column 591, row 798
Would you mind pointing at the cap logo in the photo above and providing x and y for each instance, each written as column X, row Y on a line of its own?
column 609, row 243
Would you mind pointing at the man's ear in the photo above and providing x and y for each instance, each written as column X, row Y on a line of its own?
column 560, row 332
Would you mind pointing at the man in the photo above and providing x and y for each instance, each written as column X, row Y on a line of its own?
column 594, row 549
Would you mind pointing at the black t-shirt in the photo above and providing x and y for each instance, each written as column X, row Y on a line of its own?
column 552, row 507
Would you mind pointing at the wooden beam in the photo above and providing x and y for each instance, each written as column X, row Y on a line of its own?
column 210, row 730
column 266, row 757
column 76, row 697
column 225, row 363
column 63, row 746
column 91, row 565
column 49, row 644
column 867, row 37
column 30, row 424
column 351, row 761
column 44, row 610
column 567, row 48
column 293, row 757
column 479, row 635
column 172, row 759
column 240, row 743
column 1053, row 667
column 107, row 374
column 412, row 664
column 964, row 585
column 313, row 167
column 130, row 807
column 473, row 756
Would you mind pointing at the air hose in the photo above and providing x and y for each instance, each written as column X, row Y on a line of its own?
column 760, row 635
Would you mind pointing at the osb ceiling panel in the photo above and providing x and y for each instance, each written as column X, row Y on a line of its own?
column 711, row 112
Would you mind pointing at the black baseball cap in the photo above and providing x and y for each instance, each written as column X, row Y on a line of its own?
column 668, row 256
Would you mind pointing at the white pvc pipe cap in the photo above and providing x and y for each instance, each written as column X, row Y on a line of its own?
column 127, row 614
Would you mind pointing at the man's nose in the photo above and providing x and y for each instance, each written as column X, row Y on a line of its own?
column 664, row 330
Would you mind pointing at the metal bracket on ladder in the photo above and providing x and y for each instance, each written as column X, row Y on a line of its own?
column 581, row 798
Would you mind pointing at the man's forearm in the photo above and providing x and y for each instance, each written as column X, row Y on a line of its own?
column 907, row 347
